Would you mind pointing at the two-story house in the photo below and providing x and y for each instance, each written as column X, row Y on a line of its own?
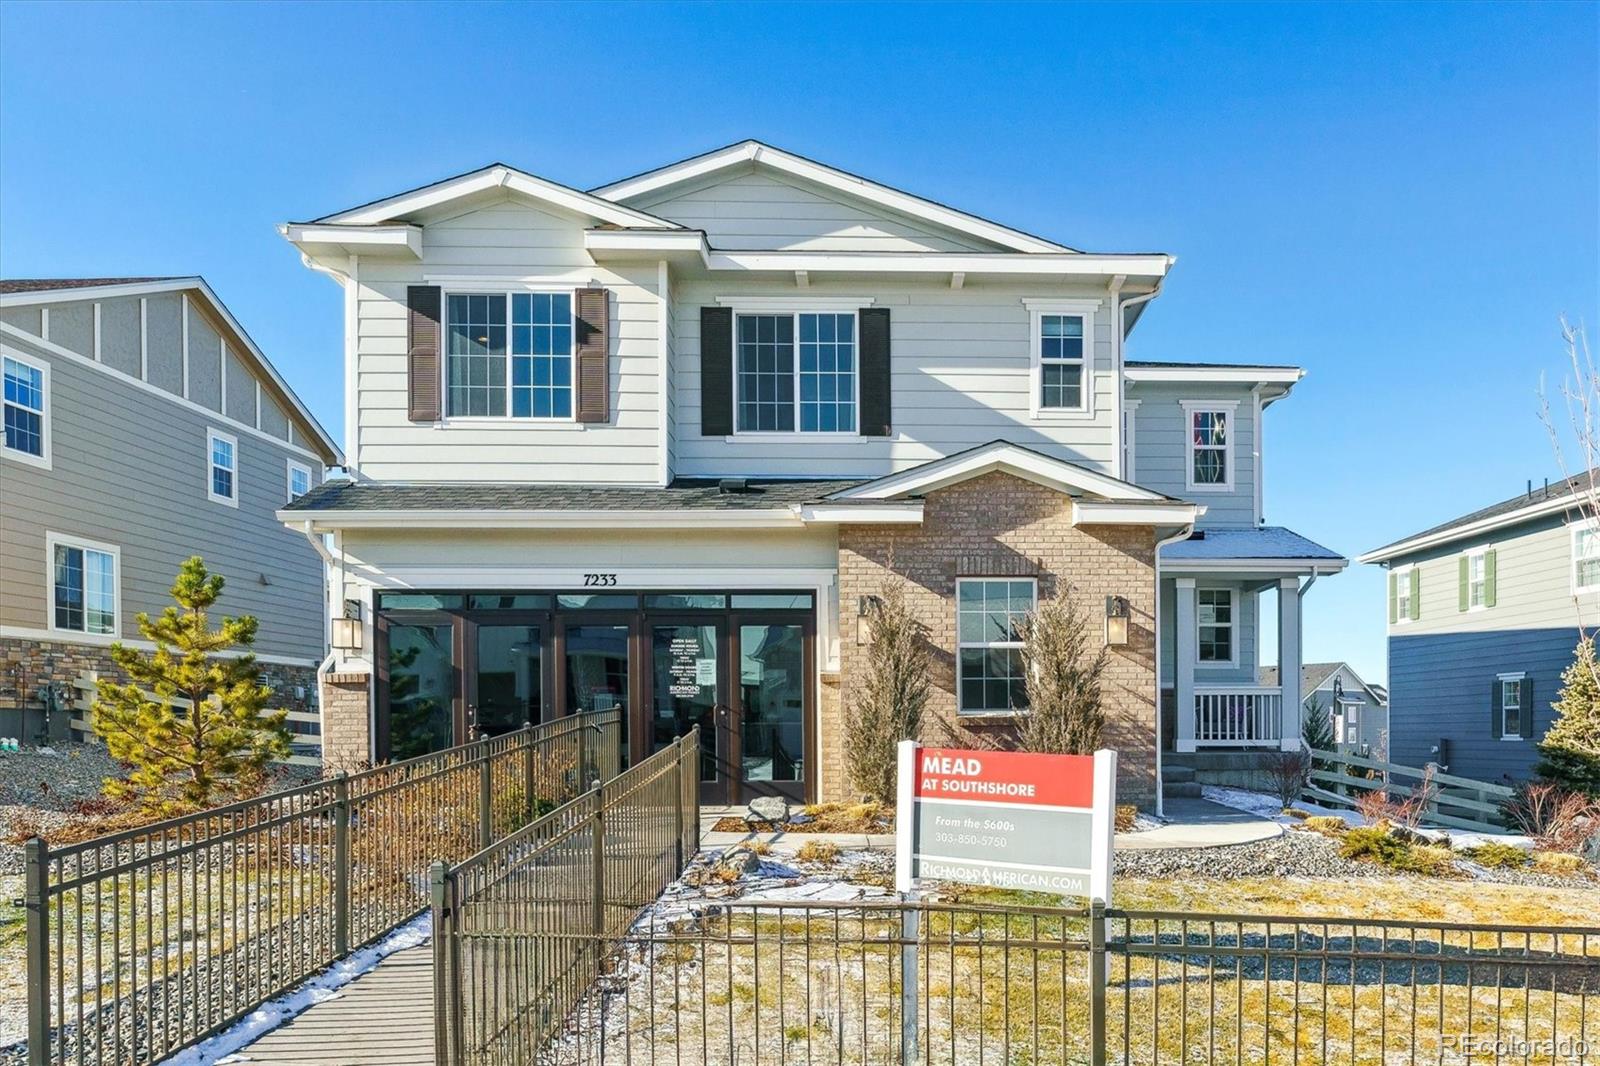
column 658, row 446
column 143, row 426
column 1358, row 713
column 1483, row 613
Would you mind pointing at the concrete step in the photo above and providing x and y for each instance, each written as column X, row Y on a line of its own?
column 1191, row 789
column 1172, row 772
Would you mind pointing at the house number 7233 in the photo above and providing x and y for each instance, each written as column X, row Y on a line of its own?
column 599, row 579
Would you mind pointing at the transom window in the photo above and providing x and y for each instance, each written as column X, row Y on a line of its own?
column 84, row 583
column 989, row 617
column 223, row 483
column 1209, row 446
column 25, row 387
column 538, row 346
column 1214, row 620
column 1061, row 362
column 1585, row 558
column 1477, row 580
column 778, row 392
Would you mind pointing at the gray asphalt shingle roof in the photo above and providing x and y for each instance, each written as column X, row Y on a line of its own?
column 1563, row 489
column 683, row 494
column 1267, row 542
column 9, row 285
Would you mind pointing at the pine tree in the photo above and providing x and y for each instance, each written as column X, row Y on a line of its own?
column 1569, row 754
column 216, row 748
column 893, row 695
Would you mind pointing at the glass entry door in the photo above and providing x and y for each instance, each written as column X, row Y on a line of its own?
column 686, row 690
column 418, row 705
column 772, row 669
column 506, row 677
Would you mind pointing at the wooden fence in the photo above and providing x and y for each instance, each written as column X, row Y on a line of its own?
column 1338, row 779
column 305, row 726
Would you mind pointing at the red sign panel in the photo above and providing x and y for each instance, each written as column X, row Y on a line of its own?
column 1019, row 777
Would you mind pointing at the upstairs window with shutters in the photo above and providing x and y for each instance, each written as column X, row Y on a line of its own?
column 509, row 354
column 796, row 371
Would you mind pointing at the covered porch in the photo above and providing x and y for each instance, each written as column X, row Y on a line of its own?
column 1218, row 588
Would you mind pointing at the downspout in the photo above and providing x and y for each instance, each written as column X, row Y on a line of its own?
column 1161, row 788
column 1118, row 339
column 331, row 565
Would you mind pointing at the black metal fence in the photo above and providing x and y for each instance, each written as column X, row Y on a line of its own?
column 144, row 942
column 522, row 928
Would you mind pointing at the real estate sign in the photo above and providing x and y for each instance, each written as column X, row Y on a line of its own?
column 1006, row 819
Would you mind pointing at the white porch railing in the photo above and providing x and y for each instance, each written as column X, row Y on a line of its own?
column 1237, row 716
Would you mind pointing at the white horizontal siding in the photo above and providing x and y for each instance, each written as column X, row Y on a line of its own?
column 960, row 377
column 759, row 209
column 1161, row 448
column 508, row 240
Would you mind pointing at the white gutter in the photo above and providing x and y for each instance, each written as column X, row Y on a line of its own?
column 764, row 518
column 1161, row 789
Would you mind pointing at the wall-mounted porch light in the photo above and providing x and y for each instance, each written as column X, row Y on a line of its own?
column 1116, row 621
column 346, row 634
column 865, row 606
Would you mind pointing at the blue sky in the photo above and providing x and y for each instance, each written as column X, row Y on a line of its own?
column 1401, row 199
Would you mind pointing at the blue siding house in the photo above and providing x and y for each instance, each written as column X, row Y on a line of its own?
column 1483, row 615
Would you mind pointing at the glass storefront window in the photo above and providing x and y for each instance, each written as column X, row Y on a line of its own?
column 509, row 601
column 419, row 601
column 767, row 601
column 508, row 678
column 597, row 601
column 684, row 679
column 772, row 688
column 421, row 689
column 597, row 668
column 687, row 601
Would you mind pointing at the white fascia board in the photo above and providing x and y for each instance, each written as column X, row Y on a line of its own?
column 492, row 178
column 1485, row 525
column 400, row 240
column 1002, row 457
column 321, row 521
column 1171, row 567
column 100, row 292
column 845, row 514
column 830, row 178
column 1095, row 513
column 646, row 244
column 1076, row 264
column 1256, row 375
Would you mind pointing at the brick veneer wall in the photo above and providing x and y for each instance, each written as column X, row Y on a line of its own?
column 346, row 724
column 998, row 525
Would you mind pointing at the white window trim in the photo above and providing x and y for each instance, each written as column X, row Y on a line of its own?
column 1573, row 558
column 46, row 417
column 1479, row 554
column 51, row 541
column 1229, row 470
column 1037, row 309
column 504, row 292
column 797, row 435
column 1233, row 629
column 1401, row 576
column 960, row 644
column 1130, row 451
column 232, row 441
column 289, row 472
column 1501, row 679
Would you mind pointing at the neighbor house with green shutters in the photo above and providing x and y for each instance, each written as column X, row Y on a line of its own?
column 661, row 445
column 1484, row 612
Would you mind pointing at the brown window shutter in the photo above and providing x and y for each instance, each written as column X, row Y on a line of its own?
column 876, row 404
column 593, row 353
column 716, row 371
column 422, row 353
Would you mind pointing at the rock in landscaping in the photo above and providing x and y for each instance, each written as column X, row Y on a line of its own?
column 772, row 809
column 739, row 861
column 1591, row 848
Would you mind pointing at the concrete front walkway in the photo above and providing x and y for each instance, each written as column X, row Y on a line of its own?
column 1191, row 823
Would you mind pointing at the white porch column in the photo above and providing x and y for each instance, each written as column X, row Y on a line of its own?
column 1184, row 653
column 1289, row 660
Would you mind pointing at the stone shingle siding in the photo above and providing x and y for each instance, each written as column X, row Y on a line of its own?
column 998, row 525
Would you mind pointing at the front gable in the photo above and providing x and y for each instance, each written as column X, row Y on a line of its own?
column 753, row 206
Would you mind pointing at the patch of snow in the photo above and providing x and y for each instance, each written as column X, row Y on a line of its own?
column 220, row 1050
column 1265, row 806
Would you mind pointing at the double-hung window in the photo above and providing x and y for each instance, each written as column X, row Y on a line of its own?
column 27, row 387
column 1214, row 618
column 299, row 480
column 537, row 344
column 1477, row 580
column 1585, row 557
column 222, row 473
column 1062, row 352
column 1403, row 588
column 1511, row 689
column 1210, row 436
column 83, row 579
column 796, row 371
column 989, row 616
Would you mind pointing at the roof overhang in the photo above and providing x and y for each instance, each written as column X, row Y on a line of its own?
column 1425, row 541
column 1253, row 567
column 495, row 176
column 793, row 517
column 329, row 451
column 749, row 151
column 1243, row 375
column 1005, row 457
column 1127, row 513
column 398, row 240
